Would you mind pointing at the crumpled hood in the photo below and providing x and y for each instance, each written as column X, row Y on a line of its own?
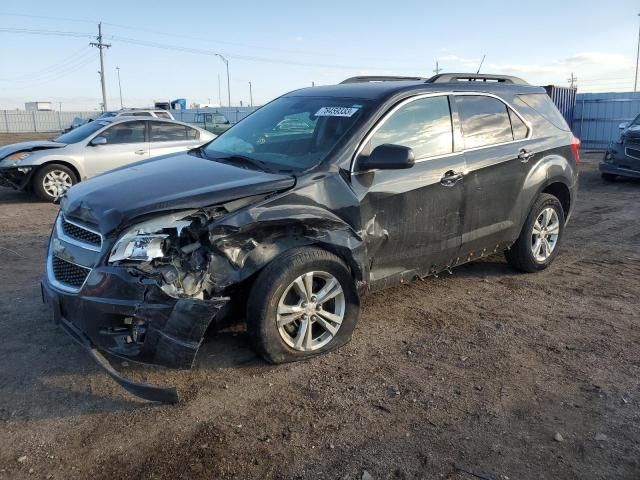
column 28, row 146
column 173, row 182
column 632, row 133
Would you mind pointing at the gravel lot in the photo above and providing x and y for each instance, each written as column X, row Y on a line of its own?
column 467, row 374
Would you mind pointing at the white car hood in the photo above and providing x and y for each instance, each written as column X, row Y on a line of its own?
column 29, row 147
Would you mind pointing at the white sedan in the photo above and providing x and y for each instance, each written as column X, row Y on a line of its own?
column 49, row 168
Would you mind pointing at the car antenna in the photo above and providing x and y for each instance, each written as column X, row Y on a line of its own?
column 481, row 62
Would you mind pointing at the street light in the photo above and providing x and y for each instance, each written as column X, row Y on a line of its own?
column 226, row 63
column 635, row 84
column 119, row 87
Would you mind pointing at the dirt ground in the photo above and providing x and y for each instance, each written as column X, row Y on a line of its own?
column 469, row 375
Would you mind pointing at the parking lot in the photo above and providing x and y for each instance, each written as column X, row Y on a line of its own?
column 485, row 373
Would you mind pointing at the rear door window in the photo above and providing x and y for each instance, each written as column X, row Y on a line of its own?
column 169, row 132
column 424, row 125
column 485, row 121
column 126, row 132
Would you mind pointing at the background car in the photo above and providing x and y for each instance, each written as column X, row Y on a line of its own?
column 212, row 122
column 138, row 112
column 49, row 168
column 623, row 155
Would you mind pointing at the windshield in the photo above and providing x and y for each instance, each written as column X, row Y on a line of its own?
column 80, row 133
column 292, row 133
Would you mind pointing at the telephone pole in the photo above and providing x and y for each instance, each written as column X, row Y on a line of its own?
column 250, row 95
column 100, row 47
column 573, row 81
column 438, row 69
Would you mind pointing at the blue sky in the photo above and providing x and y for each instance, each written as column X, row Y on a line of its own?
column 282, row 45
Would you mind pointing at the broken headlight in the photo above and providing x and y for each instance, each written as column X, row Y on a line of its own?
column 145, row 241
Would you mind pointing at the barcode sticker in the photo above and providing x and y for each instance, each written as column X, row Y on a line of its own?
column 336, row 111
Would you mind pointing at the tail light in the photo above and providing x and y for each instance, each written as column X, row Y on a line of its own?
column 575, row 149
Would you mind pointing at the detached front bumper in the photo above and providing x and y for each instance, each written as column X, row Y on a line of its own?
column 15, row 177
column 132, row 318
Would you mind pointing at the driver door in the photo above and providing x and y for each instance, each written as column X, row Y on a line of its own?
column 413, row 217
column 126, row 143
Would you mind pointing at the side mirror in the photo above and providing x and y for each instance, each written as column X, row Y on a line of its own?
column 623, row 125
column 98, row 141
column 387, row 157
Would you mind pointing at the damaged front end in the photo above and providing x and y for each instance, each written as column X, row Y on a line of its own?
column 150, row 293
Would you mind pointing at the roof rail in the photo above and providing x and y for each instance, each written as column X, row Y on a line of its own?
column 367, row 79
column 475, row 77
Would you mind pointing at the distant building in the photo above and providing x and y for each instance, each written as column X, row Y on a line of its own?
column 38, row 106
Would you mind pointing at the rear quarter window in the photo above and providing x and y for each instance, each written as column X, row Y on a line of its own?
column 544, row 107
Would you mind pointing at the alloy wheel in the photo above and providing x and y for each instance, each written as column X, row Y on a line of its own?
column 310, row 311
column 544, row 236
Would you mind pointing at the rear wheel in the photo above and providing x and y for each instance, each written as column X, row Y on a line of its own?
column 51, row 181
column 609, row 177
column 302, row 304
column 540, row 238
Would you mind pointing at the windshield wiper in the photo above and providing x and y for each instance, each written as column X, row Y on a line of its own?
column 235, row 158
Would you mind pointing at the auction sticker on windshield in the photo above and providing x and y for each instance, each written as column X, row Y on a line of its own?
column 336, row 111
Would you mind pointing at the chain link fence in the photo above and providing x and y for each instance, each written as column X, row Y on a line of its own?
column 16, row 121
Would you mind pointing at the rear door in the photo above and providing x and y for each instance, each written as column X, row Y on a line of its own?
column 126, row 143
column 413, row 217
column 168, row 137
column 498, row 160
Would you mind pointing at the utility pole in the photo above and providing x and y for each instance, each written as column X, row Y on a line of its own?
column 635, row 83
column 250, row 95
column 226, row 63
column 120, row 88
column 59, row 106
column 100, row 47
column 573, row 81
column 438, row 69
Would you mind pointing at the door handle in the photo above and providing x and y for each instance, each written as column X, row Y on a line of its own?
column 450, row 178
column 524, row 155
column 140, row 152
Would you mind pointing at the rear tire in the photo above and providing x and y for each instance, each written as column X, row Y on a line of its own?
column 540, row 238
column 609, row 177
column 280, row 293
column 52, row 180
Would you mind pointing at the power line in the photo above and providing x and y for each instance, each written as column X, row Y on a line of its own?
column 200, row 51
column 59, row 65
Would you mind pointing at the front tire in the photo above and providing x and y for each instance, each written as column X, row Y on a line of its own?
column 302, row 304
column 539, row 241
column 52, row 180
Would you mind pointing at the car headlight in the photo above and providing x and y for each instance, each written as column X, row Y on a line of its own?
column 17, row 157
column 145, row 241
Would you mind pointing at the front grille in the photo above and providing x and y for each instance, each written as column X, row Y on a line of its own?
column 68, row 273
column 81, row 234
column 633, row 152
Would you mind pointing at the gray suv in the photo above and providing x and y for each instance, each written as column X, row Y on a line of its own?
column 49, row 168
column 390, row 180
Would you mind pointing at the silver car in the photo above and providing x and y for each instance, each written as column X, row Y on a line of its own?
column 49, row 168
